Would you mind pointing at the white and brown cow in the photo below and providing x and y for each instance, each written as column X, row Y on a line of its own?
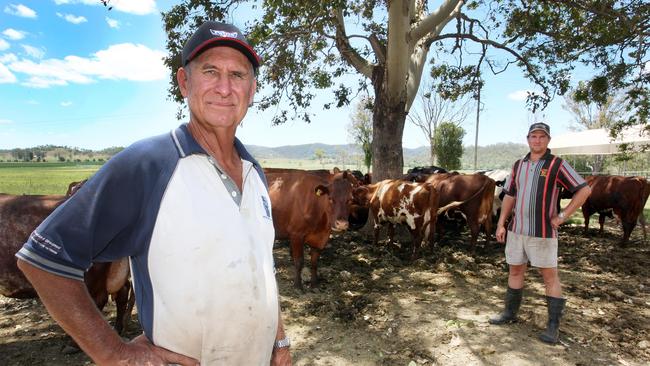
column 396, row 201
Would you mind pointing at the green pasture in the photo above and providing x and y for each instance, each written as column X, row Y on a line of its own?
column 42, row 178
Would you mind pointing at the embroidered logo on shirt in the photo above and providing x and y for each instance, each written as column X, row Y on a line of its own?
column 543, row 172
column 267, row 210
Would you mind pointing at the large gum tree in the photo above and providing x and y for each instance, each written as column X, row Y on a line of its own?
column 387, row 46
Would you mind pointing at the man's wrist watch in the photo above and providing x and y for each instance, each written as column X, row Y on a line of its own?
column 282, row 343
column 561, row 215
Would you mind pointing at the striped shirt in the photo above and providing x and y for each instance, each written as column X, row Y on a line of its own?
column 535, row 185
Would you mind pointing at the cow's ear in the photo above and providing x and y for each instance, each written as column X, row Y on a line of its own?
column 345, row 174
column 336, row 170
column 321, row 190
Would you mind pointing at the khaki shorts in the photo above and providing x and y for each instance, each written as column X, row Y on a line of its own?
column 542, row 252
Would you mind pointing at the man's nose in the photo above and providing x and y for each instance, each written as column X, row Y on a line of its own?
column 223, row 85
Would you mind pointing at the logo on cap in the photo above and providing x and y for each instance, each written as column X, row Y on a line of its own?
column 540, row 126
column 221, row 33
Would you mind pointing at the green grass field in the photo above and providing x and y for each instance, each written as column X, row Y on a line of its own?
column 42, row 178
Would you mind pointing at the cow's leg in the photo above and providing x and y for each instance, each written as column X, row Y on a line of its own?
column 586, row 214
column 487, row 226
column 474, row 228
column 121, row 299
column 440, row 230
column 643, row 223
column 315, row 254
column 628, row 226
column 391, row 233
column 297, row 254
column 601, row 220
column 417, row 242
column 376, row 233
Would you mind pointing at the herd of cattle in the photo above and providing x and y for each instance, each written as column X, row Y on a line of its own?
column 308, row 205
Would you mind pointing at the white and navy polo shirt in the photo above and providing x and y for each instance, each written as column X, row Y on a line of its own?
column 200, row 250
column 536, row 187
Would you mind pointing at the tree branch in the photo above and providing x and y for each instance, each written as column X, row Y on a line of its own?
column 436, row 21
column 529, row 68
column 347, row 52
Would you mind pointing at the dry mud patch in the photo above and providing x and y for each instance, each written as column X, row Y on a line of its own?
column 375, row 307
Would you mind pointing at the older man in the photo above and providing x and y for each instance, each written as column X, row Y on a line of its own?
column 191, row 210
column 532, row 190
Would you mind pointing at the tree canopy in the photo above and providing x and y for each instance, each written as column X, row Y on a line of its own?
column 309, row 46
column 448, row 145
column 360, row 129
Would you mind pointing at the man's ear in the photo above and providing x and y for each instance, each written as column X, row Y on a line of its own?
column 251, row 99
column 182, row 80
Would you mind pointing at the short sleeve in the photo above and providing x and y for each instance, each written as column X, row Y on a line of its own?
column 569, row 179
column 101, row 221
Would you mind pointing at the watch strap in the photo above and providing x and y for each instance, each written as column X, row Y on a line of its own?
column 282, row 343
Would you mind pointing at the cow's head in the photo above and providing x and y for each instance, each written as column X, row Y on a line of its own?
column 359, row 207
column 340, row 196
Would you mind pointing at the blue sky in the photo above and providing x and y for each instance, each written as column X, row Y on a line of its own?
column 73, row 73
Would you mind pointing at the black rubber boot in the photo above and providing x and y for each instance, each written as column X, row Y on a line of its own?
column 513, row 301
column 555, row 308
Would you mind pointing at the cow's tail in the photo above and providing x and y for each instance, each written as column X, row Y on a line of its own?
column 454, row 204
column 434, row 197
column 449, row 206
column 485, row 209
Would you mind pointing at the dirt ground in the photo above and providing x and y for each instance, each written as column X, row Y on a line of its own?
column 375, row 307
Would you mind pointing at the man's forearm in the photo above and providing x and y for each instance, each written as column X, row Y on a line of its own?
column 69, row 303
column 578, row 200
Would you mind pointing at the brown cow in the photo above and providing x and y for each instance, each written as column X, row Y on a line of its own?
column 626, row 196
column 19, row 216
column 475, row 192
column 306, row 208
column 358, row 216
column 394, row 201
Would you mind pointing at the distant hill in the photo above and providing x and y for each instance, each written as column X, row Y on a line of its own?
column 53, row 153
column 489, row 157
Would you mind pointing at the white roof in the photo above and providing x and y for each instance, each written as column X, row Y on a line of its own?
column 596, row 141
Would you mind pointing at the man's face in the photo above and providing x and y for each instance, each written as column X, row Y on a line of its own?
column 538, row 142
column 219, row 86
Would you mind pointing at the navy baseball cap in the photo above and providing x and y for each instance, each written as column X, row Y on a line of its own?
column 212, row 34
column 540, row 126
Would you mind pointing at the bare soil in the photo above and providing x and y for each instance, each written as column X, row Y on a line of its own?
column 376, row 307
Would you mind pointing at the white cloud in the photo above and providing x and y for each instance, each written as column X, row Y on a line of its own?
column 33, row 51
column 7, row 58
column 5, row 121
column 4, row 44
column 519, row 95
column 137, row 7
column 13, row 34
column 125, row 61
column 6, row 76
column 33, row 102
column 20, row 10
column 113, row 23
column 66, row 104
column 72, row 18
column 42, row 83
